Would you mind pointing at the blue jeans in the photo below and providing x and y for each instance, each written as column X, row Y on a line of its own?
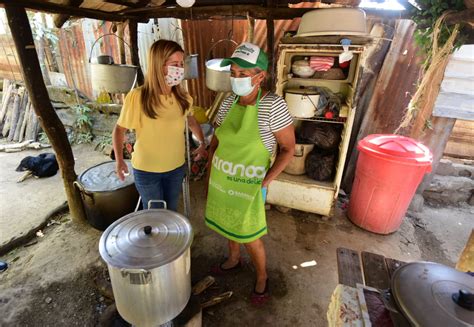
column 160, row 186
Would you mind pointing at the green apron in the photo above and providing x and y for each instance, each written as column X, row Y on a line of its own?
column 235, row 206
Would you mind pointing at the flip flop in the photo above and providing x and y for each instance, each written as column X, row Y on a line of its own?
column 218, row 270
column 259, row 299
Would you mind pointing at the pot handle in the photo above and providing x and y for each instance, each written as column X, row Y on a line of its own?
column 141, row 277
column 157, row 201
column 300, row 152
column 83, row 191
column 215, row 44
column 93, row 44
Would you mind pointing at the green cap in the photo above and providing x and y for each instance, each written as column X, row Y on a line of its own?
column 247, row 55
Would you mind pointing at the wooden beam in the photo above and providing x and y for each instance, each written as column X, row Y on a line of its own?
column 208, row 12
column 64, row 9
column 133, row 31
column 60, row 19
column 54, row 129
column 240, row 12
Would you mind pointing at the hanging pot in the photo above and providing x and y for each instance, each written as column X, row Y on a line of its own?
column 217, row 77
column 191, row 66
column 110, row 77
column 302, row 103
column 149, row 262
column 296, row 166
column 104, row 196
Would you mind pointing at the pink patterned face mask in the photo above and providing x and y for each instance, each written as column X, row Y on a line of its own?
column 175, row 75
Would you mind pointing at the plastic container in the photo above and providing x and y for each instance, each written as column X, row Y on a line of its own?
column 389, row 170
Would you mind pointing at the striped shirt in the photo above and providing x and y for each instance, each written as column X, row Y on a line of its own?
column 273, row 115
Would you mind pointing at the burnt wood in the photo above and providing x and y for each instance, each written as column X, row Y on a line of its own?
column 348, row 267
column 375, row 270
column 52, row 125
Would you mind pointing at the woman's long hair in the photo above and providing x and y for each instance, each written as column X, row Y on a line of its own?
column 155, row 83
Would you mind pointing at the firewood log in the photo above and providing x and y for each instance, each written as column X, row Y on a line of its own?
column 16, row 113
column 21, row 118
column 25, row 121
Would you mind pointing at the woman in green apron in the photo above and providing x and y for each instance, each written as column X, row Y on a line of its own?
column 250, row 124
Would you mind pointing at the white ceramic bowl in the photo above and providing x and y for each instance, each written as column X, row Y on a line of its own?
column 302, row 68
column 333, row 21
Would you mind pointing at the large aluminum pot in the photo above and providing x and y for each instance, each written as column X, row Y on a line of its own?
column 104, row 196
column 302, row 103
column 149, row 261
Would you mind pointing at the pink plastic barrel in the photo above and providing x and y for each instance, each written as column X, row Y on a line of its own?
column 389, row 170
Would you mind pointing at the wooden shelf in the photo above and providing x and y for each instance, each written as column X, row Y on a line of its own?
column 304, row 179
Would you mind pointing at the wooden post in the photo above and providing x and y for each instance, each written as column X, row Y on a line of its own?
column 54, row 129
column 133, row 30
column 271, row 51
column 121, row 28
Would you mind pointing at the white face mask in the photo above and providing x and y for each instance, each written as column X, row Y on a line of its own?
column 175, row 75
column 242, row 86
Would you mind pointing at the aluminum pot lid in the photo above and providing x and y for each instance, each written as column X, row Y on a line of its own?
column 428, row 294
column 102, row 177
column 146, row 239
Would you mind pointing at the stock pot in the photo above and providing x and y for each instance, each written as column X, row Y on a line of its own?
column 149, row 262
column 104, row 196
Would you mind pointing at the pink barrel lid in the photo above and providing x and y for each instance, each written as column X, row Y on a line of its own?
column 396, row 148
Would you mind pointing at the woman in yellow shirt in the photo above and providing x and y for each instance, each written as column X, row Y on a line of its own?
column 157, row 112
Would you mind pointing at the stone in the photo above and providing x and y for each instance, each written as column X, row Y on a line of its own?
column 416, row 204
column 48, row 300
column 445, row 168
column 283, row 209
column 449, row 190
column 464, row 170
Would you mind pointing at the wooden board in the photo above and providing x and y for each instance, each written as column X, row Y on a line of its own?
column 375, row 270
column 460, row 144
column 392, row 265
column 348, row 267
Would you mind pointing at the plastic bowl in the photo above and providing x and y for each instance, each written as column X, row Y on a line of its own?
column 333, row 21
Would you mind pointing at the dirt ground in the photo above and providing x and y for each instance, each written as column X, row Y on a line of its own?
column 57, row 280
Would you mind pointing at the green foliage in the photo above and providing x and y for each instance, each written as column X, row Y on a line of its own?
column 103, row 141
column 43, row 138
column 83, row 125
column 426, row 17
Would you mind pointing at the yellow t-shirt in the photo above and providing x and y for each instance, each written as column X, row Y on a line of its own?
column 159, row 145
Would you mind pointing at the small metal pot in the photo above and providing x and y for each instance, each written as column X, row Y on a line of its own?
column 149, row 261
column 296, row 166
column 302, row 103
column 191, row 66
column 217, row 77
column 104, row 196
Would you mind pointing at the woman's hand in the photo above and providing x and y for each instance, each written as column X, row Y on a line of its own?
column 200, row 152
column 121, row 169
